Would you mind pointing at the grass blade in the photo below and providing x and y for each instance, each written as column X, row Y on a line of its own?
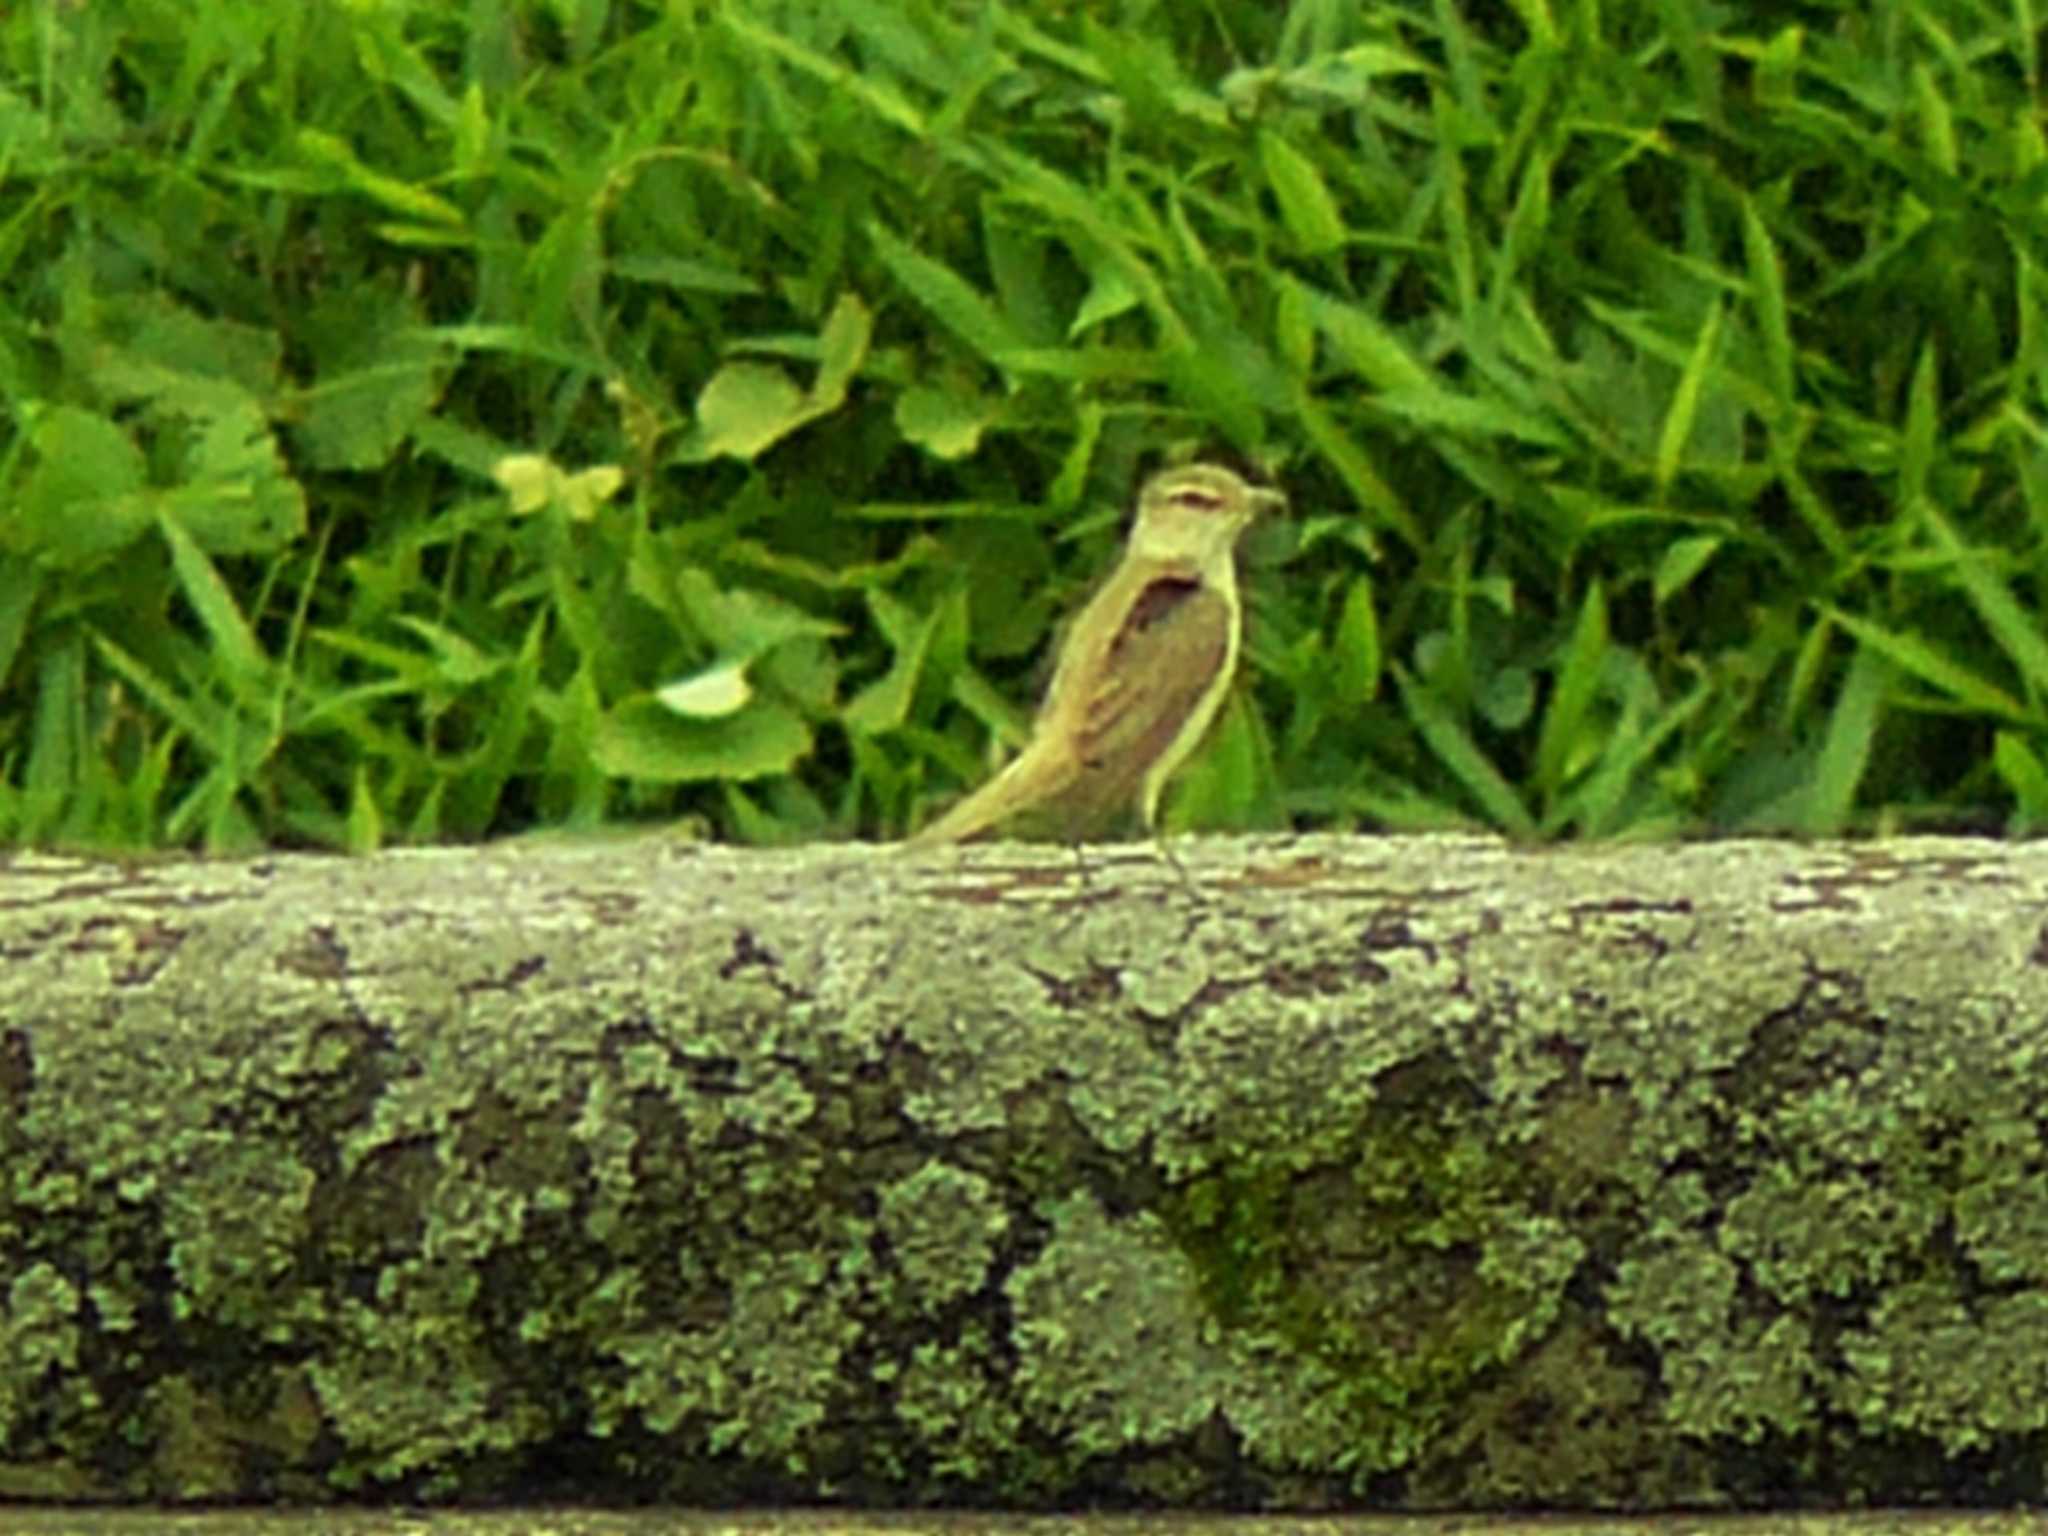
column 1458, row 752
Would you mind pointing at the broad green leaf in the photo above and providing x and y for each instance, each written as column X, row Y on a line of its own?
column 376, row 376
column 754, row 826
column 236, row 497
column 747, row 408
column 82, row 499
column 1645, row 332
column 1109, row 294
column 532, row 481
column 947, row 424
column 1305, row 203
column 740, row 623
column 577, row 714
column 803, row 672
column 1682, row 561
column 710, row 694
column 992, row 707
column 1506, row 698
column 842, row 347
column 150, row 347
column 643, row 739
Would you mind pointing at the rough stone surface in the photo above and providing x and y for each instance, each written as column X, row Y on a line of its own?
column 1320, row 1171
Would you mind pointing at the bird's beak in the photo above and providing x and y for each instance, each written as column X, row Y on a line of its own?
column 1267, row 501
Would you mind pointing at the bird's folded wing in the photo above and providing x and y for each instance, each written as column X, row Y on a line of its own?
column 1163, row 661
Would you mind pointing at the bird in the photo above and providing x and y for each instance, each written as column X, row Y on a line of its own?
column 1142, row 672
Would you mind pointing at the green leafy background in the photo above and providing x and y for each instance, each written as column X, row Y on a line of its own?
column 429, row 420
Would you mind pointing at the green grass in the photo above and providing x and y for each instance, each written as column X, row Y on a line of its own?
column 431, row 420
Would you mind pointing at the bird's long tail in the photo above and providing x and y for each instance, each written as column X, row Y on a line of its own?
column 1024, row 782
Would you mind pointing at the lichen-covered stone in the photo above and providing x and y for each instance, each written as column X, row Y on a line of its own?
column 1412, row 1171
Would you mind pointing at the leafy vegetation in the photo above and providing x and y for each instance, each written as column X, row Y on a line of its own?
column 428, row 420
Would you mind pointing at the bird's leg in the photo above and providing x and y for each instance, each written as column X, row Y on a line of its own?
column 1165, row 850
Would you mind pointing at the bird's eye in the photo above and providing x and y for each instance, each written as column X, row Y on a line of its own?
column 1200, row 501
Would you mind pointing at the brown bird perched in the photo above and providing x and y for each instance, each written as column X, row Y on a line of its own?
column 1140, row 676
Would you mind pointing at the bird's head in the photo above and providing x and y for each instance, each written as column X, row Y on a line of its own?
column 1194, row 513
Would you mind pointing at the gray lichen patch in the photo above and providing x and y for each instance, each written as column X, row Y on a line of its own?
column 944, row 1227
column 1112, row 1334
column 1418, row 1170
